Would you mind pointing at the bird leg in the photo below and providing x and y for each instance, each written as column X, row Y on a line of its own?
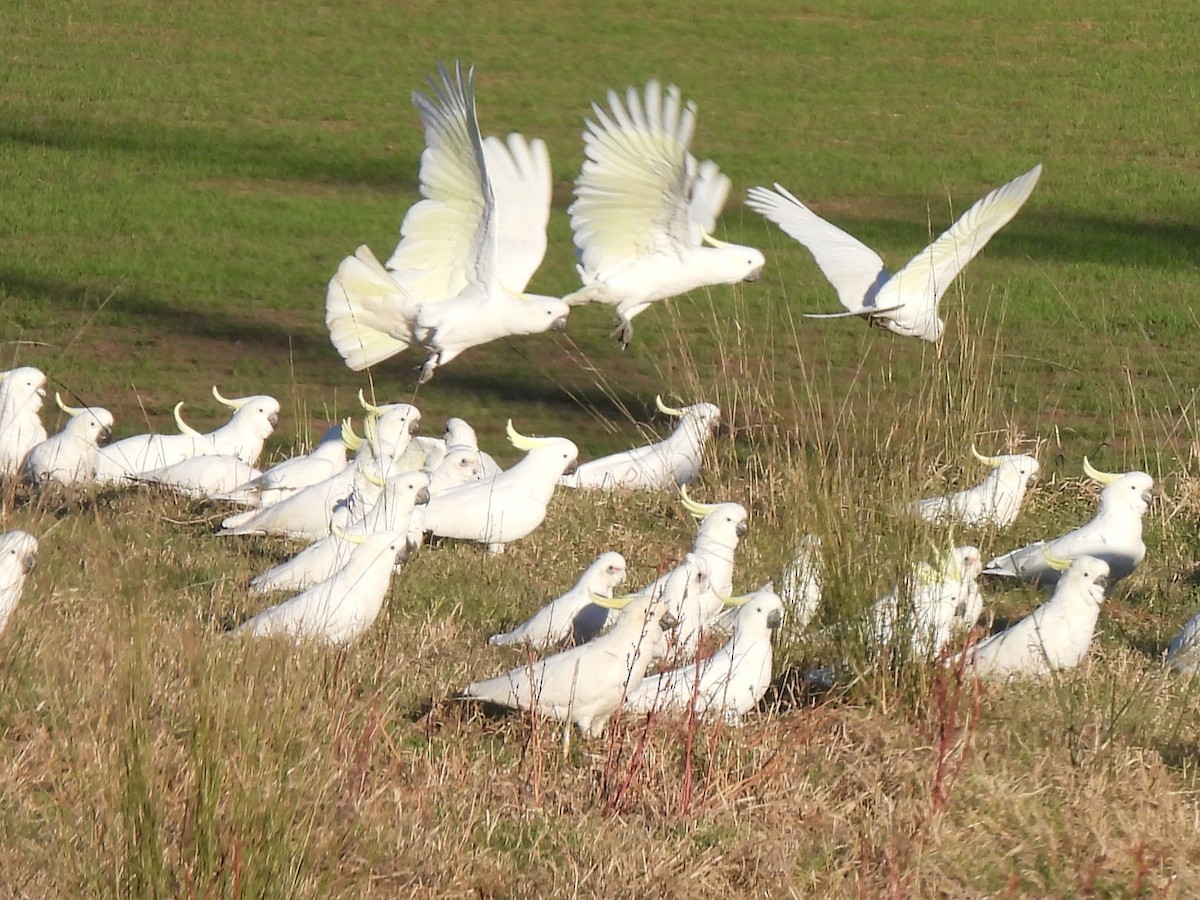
column 623, row 332
column 429, row 368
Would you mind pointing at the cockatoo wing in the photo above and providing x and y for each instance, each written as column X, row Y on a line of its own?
column 369, row 315
column 519, row 172
column 925, row 278
column 854, row 269
column 709, row 193
column 448, row 240
column 634, row 193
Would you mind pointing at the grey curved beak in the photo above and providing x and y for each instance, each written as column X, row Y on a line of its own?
column 1102, row 581
column 559, row 324
column 1148, row 496
column 104, row 437
column 273, row 418
column 774, row 619
column 572, row 468
column 755, row 275
column 667, row 622
column 414, row 427
column 742, row 529
column 423, row 495
column 29, row 562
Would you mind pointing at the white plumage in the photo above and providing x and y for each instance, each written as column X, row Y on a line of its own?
column 205, row 477
column 905, row 303
column 343, row 606
column 18, row 553
column 22, row 391
column 932, row 604
column 661, row 466
column 282, row 480
column 467, row 250
column 585, row 684
column 732, row 681
column 69, row 457
column 555, row 622
column 1182, row 655
column 391, row 512
column 1113, row 535
column 1056, row 635
column 508, row 506
column 644, row 208
column 801, row 584
column 994, row 502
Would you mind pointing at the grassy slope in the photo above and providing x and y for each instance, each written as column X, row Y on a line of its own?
column 180, row 184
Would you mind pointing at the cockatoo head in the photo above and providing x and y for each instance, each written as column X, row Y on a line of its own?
column 1085, row 576
column 22, row 389
column 555, row 453
column 758, row 613
column 460, row 434
column 256, row 415
column 605, row 573
column 18, row 553
column 1133, row 491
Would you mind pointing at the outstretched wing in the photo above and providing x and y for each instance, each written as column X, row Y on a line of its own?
column 853, row 268
column 448, row 240
column 369, row 315
column 519, row 173
column 634, row 192
column 923, row 281
column 709, row 193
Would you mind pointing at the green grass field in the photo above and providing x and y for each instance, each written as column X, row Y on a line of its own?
column 180, row 182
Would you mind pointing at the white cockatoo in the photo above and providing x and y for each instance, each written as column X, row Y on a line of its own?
column 69, row 457
column 932, row 603
column 508, row 506
column 644, row 208
column 18, row 553
column 426, row 453
column 1057, row 634
column 22, row 391
column 1182, row 655
column 253, row 420
column 586, row 684
column 905, row 303
column 661, row 466
column 994, row 502
column 457, row 467
column 732, row 681
column 555, row 622
column 310, row 513
column 283, row 479
column 1113, row 535
column 802, row 582
column 343, row 606
column 391, row 512
column 467, row 251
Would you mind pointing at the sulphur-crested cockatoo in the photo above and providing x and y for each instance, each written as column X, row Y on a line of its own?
column 508, row 506
column 661, row 466
column 905, row 303
column 18, row 553
column 732, row 681
column 467, row 251
column 932, row 603
column 318, row 561
column 22, row 391
column 644, row 208
column 586, row 684
column 1057, row 634
column 555, row 622
column 69, row 457
column 343, row 606
column 802, row 582
column 285, row 478
column 1113, row 535
column 994, row 502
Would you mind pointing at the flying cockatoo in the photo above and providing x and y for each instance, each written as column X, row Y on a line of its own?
column 69, row 457
column 18, row 553
column 732, row 681
column 1113, row 535
column 343, row 606
column 555, row 622
column 22, row 391
column 586, row 684
column 467, row 251
column 508, row 506
column 320, row 560
column 1057, row 634
column 661, row 466
column 644, row 208
column 994, row 502
column 905, row 303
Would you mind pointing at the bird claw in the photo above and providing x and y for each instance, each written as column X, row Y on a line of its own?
column 623, row 333
column 428, row 369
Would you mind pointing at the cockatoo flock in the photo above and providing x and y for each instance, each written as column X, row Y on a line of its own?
column 643, row 219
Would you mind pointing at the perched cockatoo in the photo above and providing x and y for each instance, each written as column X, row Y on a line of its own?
column 801, row 585
column 458, row 275
column 253, row 420
column 283, row 479
column 586, row 684
column 18, row 553
column 508, row 506
column 427, row 453
column 555, row 622
column 994, row 502
column 905, row 303
column 732, row 681
column 69, row 457
column 1057, row 634
column 391, row 512
column 343, row 606
column 644, row 208
column 932, row 603
column 661, row 466
column 1113, row 535
column 22, row 391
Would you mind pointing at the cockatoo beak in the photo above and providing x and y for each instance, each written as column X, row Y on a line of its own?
column 774, row 619
column 1102, row 581
column 29, row 562
column 559, row 324
column 423, row 495
column 104, row 437
column 668, row 622
column 742, row 529
column 273, row 418
column 572, row 468
column 414, row 427
column 755, row 275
